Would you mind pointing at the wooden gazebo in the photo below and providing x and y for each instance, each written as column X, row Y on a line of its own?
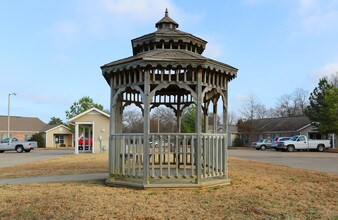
column 167, row 68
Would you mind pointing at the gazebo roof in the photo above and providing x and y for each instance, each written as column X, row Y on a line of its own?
column 168, row 47
column 166, row 20
column 164, row 58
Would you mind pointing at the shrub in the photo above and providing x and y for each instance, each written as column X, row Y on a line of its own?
column 39, row 139
column 238, row 142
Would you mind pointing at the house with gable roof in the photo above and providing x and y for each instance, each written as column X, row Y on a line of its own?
column 92, row 126
column 270, row 128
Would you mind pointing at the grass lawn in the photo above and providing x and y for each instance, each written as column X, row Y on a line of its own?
column 258, row 191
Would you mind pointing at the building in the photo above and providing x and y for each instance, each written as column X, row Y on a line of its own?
column 58, row 136
column 20, row 127
column 270, row 128
column 23, row 128
column 93, row 126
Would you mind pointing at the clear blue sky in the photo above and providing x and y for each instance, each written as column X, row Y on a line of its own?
column 51, row 51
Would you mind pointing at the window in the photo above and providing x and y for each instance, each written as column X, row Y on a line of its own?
column 301, row 138
column 28, row 137
column 59, row 139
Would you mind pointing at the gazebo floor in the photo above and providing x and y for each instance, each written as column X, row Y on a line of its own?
column 161, row 179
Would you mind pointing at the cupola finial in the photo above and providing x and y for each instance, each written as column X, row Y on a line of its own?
column 166, row 12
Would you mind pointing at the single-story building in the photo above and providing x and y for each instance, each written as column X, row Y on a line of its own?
column 92, row 130
column 270, row 128
column 58, row 136
column 23, row 128
column 20, row 127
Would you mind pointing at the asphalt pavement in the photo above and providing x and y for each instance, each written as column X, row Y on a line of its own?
column 12, row 158
column 316, row 161
column 311, row 160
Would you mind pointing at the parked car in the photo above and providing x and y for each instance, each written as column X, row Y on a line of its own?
column 11, row 144
column 262, row 144
column 85, row 143
column 277, row 140
column 301, row 142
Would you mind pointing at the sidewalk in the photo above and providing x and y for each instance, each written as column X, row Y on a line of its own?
column 50, row 179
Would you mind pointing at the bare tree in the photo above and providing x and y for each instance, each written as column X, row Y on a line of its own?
column 252, row 109
column 132, row 121
column 248, row 108
column 232, row 118
column 292, row 104
column 333, row 79
column 166, row 119
column 260, row 111
column 300, row 101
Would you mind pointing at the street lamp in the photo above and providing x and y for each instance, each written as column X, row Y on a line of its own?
column 9, row 103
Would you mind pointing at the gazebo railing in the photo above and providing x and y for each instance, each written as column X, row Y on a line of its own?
column 171, row 155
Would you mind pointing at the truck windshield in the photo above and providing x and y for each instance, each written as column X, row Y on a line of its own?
column 294, row 138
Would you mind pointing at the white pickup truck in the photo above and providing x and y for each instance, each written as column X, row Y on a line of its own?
column 301, row 142
column 9, row 144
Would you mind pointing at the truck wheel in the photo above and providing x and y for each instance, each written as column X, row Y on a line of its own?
column 19, row 149
column 291, row 148
column 1, row 151
column 263, row 147
column 257, row 148
column 276, row 149
column 28, row 150
column 320, row 148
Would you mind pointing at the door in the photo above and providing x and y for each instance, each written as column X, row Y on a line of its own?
column 4, row 144
column 302, row 143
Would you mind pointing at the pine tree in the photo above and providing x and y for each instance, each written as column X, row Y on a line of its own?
column 323, row 108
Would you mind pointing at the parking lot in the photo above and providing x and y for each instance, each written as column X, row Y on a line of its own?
column 323, row 162
column 311, row 160
column 11, row 158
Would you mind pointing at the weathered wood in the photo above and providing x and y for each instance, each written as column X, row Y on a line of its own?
column 146, row 126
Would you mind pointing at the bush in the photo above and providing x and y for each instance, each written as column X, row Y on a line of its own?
column 238, row 142
column 39, row 139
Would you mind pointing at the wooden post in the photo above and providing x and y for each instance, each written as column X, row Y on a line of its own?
column 178, row 114
column 214, row 116
column 112, row 152
column 76, row 138
column 206, row 118
column 225, row 131
column 146, row 126
column 198, row 125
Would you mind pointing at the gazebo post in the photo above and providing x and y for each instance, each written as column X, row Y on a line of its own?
column 112, row 142
column 178, row 114
column 198, row 127
column 205, row 113
column 225, row 131
column 146, row 127
column 214, row 116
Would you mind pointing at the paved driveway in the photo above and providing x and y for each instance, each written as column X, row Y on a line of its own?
column 11, row 158
column 317, row 161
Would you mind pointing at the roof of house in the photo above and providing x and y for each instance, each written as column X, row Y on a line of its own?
column 50, row 127
column 277, row 124
column 88, row 111
column 18, row 123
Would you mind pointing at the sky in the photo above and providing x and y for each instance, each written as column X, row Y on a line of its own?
column 51, row 51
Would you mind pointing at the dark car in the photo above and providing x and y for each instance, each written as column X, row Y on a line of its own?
column 278, row 139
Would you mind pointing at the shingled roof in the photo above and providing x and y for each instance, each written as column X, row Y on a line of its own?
column 18, row 123
column 278, row 124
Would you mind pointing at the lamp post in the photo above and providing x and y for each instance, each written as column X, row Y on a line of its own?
column 8, row 118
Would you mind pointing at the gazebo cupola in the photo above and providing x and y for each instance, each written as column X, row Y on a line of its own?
column 167, row 69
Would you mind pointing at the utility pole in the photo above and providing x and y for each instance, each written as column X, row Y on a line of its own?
column 8, row 118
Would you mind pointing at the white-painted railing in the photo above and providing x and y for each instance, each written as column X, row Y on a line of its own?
column 171, row 155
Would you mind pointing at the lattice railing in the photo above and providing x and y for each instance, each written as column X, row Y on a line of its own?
column 171, row 155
